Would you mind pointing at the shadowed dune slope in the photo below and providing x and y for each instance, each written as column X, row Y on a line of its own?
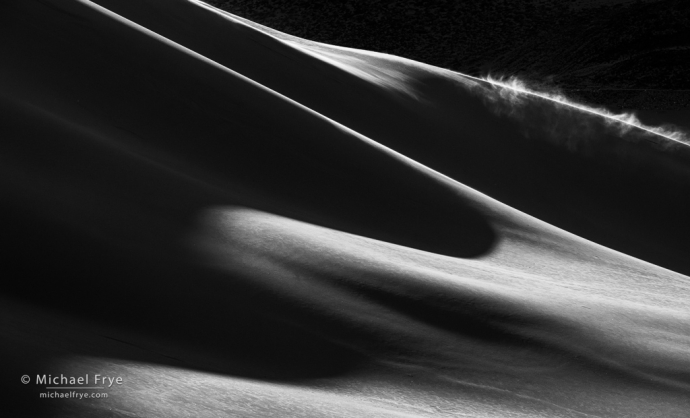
column 566, row 168
column 243, row 223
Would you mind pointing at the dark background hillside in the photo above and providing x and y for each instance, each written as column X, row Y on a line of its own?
column 625, row 54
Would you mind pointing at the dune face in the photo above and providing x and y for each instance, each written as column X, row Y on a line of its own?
column 239, row 222
column 547, row 161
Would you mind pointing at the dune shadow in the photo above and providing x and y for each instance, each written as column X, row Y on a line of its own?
column 217, row 126
column 203, row 319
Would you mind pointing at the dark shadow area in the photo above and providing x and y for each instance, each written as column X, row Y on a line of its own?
column 125, row 89
column 629, row 191
column 211, row 320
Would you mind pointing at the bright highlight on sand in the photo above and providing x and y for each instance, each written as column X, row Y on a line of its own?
column 624, row 120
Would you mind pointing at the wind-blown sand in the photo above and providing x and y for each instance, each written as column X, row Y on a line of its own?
column 242, row 223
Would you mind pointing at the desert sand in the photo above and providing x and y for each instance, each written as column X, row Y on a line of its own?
column 239, row 222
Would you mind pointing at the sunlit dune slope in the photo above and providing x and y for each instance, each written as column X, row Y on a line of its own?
column 244, row 223
column 562, row 166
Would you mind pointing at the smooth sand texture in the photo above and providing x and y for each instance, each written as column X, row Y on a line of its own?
column 243, row 223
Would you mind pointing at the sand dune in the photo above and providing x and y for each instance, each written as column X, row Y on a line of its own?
column 239, row 222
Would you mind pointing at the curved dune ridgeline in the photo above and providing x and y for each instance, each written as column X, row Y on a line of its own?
column 243, row 223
